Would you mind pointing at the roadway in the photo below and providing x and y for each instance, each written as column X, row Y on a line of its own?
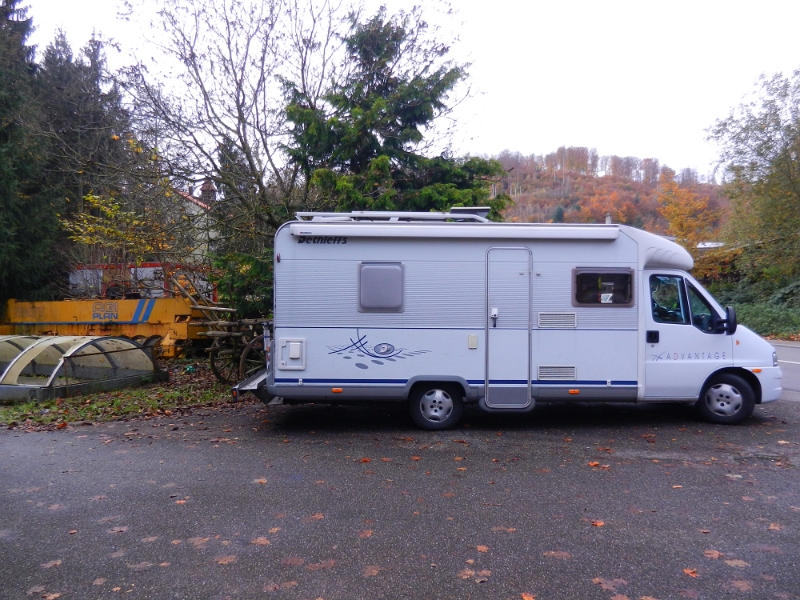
column 789, row 361
column 307, row 502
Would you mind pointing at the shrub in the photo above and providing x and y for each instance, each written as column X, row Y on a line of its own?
column 769, row 319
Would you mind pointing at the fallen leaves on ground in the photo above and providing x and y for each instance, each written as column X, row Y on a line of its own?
column 365, row 534
column 274, row 587
column 774, row 527
column 325, row 564
column 741, row 585
column 118, row 530
column 52, row 563
column 504, row 529
column 482, row 548
column 466, row 573
column 293, row 561
column 557, row 554
column 261, row 481
column 371, row 571
column 609, row 585
column 597, row 523
column 225, row 560
column 483, row 576
column 260, row 541
column 737, row 563
column 527, row 596
column 712, row 554
column 690, row 572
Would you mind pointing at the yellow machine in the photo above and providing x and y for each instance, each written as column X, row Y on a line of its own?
column 174, row 320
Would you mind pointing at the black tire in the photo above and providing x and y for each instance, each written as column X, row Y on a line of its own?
column 253, row 358
column 727, row 399
column 436, row 406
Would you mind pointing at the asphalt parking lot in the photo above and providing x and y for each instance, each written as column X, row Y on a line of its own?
column 314, row 501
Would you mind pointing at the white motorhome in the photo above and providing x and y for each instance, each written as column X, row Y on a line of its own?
column 442, row 309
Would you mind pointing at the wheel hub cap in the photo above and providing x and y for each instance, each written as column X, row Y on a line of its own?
column 723, row 399
column 436, row 405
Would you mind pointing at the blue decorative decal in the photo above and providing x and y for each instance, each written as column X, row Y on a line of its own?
column 384, row 351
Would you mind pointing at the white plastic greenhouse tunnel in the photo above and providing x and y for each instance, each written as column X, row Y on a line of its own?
column 34, row 368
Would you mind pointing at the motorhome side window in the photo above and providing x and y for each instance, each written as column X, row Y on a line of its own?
column 380, row 287
column 668, row 300
column 602, row 287
column 677, row 301
column 701, row 310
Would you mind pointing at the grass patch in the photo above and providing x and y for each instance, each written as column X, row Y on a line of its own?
column 191, row 384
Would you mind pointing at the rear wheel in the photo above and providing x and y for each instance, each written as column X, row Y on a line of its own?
column 727, row 399
column 436, row 406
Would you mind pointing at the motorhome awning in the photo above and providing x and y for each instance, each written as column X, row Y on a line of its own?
column 500, row 231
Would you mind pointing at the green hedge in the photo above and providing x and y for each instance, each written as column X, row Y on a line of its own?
column 769, row 319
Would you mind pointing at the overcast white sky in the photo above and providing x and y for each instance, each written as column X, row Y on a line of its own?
column 632, row 78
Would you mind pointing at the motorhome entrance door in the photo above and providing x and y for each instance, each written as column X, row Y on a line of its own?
column 508, row 327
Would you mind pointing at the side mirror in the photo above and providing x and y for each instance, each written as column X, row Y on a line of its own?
column 730, row 320
column 728, row 324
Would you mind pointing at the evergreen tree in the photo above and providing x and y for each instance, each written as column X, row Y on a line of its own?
column 84, row 128
column 30, row 266
column 361, row 144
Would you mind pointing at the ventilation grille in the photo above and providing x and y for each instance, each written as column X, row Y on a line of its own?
column 549, row 373
column 558, row 320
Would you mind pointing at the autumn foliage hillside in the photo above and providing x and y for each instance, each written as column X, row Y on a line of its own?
column 575, row 185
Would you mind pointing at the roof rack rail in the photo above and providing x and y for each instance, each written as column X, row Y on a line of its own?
column 461, row 213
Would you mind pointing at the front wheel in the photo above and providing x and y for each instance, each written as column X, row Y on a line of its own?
column 727, row 399
column 436, row 406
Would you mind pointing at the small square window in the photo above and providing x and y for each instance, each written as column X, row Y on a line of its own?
column 380, row 287
column 602, row 287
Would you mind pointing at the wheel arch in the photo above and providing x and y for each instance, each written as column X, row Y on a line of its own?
column 449, row 380
column 748, row 376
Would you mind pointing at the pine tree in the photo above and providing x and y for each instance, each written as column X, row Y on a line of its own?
column 30, row 267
